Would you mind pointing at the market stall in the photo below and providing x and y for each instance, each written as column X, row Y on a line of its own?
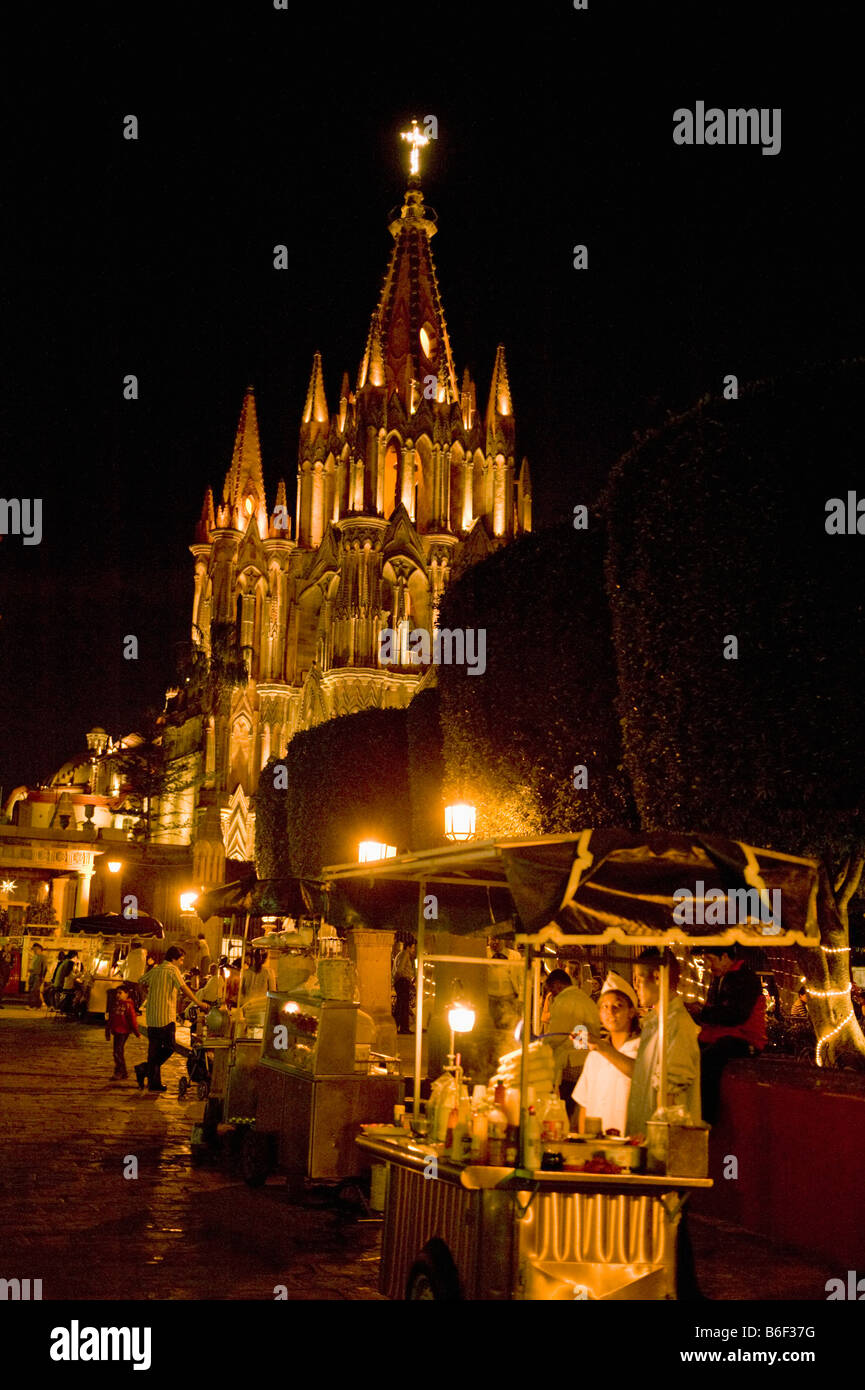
column 516, row 1230
column 316, row 1086
column 232, row 1033
column 104, row 939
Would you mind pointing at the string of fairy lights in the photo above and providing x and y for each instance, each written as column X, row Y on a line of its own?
column 832, row 994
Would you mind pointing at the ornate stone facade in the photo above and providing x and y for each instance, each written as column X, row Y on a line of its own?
column 399, row 487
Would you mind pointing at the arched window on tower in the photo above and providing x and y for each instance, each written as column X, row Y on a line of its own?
column 424, row 501
column 391, row 478
column 403, row 634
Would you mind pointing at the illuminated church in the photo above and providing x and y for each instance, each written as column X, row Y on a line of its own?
column 398, row 488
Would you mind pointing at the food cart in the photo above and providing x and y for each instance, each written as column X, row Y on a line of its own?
column 313, row 1094
column 233, row 1042
column 303, row 1085
column 98, row 938
column 456, row 1230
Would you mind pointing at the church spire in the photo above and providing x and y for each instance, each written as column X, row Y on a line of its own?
column 500, row 410
column 243, row 490
column 409, row 320
column 280, row 525
column 315, row 411
column 207, row 520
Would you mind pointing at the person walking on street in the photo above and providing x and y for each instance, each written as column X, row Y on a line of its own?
column 36, row 971
column 161, row 983
column 120, row 1020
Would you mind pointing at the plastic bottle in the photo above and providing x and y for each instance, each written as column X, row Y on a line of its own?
column 554, row 1121
column 451, row 1130
column 497, row 1130
column 512, row 1105
column 480, row 1116
column 432, row 1107
column 446, row 1103
column 533, row 1148
column 462, row 1134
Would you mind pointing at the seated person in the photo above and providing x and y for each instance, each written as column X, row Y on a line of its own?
column 800, row 1008
column 603, row 1088
column 733, row 1020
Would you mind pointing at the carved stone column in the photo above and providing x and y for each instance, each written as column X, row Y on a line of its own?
column 82, row 903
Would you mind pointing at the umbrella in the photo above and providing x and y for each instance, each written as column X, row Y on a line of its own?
column 114, row 924
column 270, row 897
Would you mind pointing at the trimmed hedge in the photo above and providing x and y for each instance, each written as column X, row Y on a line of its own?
column 426, row 770
column 717, row 528
column 347, row 781
column 272, row 851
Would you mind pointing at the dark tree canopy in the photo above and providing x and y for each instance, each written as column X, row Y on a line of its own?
column 546, row 703
column 717, row 529
column 347, row 781
column 426, row 770
column 272, row 853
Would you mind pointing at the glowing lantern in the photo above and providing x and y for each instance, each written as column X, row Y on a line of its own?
column 369, row 851
column 459, row 821
column 461, row 1018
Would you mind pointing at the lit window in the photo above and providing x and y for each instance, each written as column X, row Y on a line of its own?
column 425, row 342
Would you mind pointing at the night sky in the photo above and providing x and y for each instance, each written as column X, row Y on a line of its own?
column 154, row 257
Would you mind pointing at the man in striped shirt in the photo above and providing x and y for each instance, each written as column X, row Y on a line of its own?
column 161, row 983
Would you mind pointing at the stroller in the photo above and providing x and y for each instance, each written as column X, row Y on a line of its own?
column 199, row 1067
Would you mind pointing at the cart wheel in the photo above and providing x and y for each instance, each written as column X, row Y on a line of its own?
column 182, row 1086
column 203, row 1090
column 433, row 1275
column 256, row 1161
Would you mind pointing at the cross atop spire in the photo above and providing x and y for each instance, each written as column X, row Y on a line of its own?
column 417, row 140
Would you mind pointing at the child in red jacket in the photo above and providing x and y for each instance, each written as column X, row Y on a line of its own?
column 120, row 1021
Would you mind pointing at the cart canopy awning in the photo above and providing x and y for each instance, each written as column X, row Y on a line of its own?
column 598, row 886
column 269, row 897
column 115, row 924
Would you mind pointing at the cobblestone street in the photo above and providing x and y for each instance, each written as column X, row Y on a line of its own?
column 69, row 1217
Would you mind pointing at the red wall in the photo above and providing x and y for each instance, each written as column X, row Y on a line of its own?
column 800, row 1146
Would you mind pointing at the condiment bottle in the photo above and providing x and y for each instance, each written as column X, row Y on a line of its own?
column 480, row 1116
column 532, row 1146
column 497, row 1130
column 554, row 1124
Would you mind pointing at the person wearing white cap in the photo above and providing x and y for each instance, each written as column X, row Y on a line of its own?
column 603, row 1087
